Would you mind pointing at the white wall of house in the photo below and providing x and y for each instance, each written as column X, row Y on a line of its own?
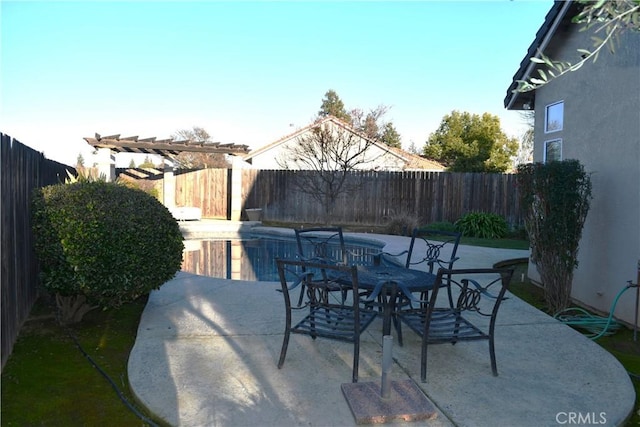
column 375, row 157
column 601, row 128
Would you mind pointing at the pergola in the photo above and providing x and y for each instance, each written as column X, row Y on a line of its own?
column 108, row 146
column 167, row 148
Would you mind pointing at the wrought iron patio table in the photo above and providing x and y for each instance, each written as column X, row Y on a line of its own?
column 388, row 282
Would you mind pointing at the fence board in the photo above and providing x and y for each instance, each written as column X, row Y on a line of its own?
column 22, row 170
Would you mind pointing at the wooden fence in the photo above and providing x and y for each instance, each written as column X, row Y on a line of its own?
column 208, row 189
column 22, row 169
column 379, row 196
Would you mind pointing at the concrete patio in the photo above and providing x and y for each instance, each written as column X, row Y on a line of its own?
column 206, row 354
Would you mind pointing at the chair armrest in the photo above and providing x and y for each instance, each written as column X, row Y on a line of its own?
column 297, row 282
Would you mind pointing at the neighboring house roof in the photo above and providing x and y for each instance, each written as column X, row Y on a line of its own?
column 416, row 162
column 557, row 18
column 412, row 161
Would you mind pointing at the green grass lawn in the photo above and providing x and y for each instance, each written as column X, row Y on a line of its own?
column 47, row 381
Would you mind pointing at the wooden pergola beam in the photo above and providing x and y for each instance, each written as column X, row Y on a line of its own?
column 163, row 147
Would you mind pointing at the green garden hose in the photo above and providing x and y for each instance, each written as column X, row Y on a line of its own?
column 596, row 326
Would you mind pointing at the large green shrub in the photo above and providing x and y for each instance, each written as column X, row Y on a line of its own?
column 102, row 244
column 556, row 197
column 482, row 224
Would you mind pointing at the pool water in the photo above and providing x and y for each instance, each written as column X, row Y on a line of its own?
column 254, row 258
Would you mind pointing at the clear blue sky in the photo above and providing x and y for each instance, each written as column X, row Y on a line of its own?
column 251, row 72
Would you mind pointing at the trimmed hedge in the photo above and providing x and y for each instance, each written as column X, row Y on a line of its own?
column 104, row 241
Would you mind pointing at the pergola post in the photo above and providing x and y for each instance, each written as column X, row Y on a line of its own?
column 107, row 164
column 169, row 185
column 236, row 189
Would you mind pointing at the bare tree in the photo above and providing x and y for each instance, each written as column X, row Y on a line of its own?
column 525, row 151
column 329, row 153
column 412, row 148
column 370, row 123
column 191, row 160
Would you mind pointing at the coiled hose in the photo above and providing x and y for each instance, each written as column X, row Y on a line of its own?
column 596, row 326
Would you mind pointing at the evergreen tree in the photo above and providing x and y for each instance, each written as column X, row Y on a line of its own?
column 333, row 105
column 390, row 136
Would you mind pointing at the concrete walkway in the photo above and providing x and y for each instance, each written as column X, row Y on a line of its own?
column 206, row 353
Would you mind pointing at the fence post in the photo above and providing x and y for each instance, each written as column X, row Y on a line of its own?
column 169, row 185
column 236, row 188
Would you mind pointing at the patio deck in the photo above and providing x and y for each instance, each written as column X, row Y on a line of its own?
column 206, row 354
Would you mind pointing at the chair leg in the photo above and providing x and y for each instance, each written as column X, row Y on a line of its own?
column 492, row 354
column 423, row 361
column 424, row 296
column 283, row 351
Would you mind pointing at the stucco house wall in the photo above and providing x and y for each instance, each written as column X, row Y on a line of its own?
column 601, row 129
column 377, row 156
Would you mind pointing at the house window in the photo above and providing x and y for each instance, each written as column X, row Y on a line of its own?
column 553, row 150
column 554, row 117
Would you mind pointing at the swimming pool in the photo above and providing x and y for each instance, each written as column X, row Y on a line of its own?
column 253, row 258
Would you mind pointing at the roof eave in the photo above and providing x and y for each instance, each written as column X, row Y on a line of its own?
column 553, row 19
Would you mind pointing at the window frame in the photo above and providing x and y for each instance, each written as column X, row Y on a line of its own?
column 546, row 117
column 547, row 143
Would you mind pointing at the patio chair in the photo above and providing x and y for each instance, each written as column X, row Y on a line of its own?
column 328, row 317
column 429, row 250
column 321, row 245
column 478, row 294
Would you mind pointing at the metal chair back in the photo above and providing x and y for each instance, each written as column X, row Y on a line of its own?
column 436, row 248
column 322, row 245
